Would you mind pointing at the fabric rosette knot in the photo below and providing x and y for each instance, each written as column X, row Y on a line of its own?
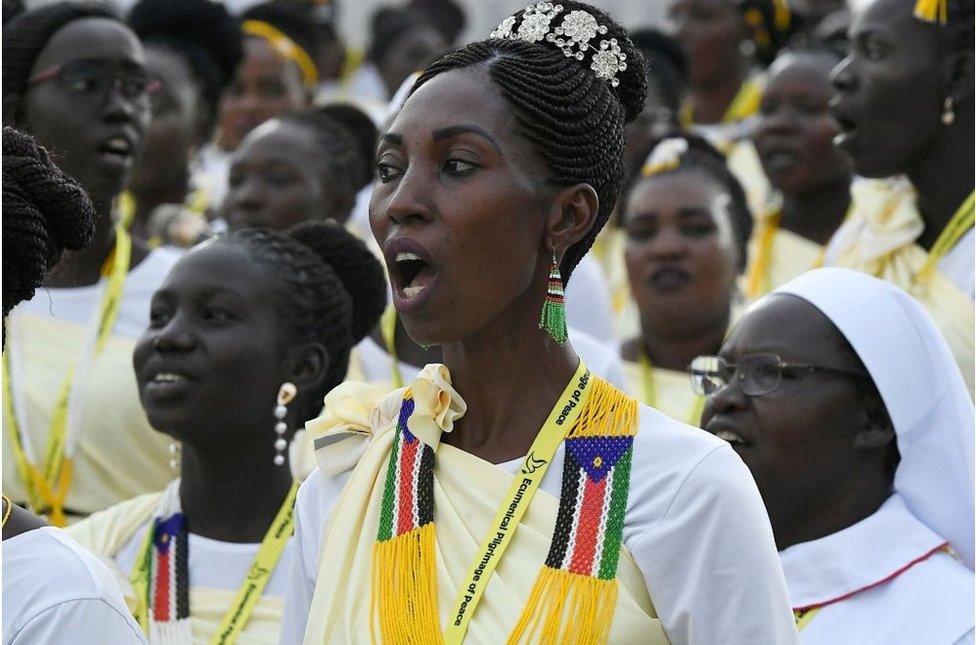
column 356, row 413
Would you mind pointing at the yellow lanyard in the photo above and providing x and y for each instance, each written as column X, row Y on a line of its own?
column 959, row 225
column 758, row 279
column 263, row 565
column 562, row 418
column 388, row 328
column 48, row 490
column 650, row 391
column 803, row 618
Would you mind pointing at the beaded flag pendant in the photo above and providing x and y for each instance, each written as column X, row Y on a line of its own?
column 404, row 561
column 169, row 595
column 575, row 594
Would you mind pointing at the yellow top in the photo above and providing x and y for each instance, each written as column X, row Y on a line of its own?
column 776, row 256
column 879, row 238
column 673, row 394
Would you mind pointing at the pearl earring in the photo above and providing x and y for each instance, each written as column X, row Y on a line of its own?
column 286, row 394
column 948, row 111
column 175, row 453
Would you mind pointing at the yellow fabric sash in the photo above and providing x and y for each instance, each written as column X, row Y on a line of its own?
column 467, row 492
column 567, row 410
column 47, row 490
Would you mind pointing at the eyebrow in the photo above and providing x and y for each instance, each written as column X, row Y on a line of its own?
column 455, row 130
column 395, row 139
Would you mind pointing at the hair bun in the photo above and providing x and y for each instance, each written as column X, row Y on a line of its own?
column 355, row 266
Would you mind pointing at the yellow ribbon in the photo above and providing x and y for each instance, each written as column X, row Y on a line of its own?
column 47, row 491
column 286, row 47
column 803, row 618
column 963, row 220
column 258, row 575
column 567, row 410
column 650, row 391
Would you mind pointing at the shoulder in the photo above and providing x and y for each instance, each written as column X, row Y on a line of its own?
column 673, row 459
column 107, row 531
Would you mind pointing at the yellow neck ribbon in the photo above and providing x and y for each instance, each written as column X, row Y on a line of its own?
column 388, row 329
column 286, row 48
column 47, row 490
column 258, row 575
column 563, row 417
column 958, row 226
column 650, row 391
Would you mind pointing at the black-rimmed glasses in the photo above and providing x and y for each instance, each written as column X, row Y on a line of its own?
column 757, row 374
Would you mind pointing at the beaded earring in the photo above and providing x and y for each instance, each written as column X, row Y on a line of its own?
column 286, row 394
column 553, row 318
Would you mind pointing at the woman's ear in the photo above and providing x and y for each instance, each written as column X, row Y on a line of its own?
column 958, row 71
column 573, row 213
column 309, row 364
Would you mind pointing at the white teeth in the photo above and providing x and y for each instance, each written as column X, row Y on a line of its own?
column 118, row 144
column 166, row 377
column 405, row 256
column 410, row 292
column 731, row 437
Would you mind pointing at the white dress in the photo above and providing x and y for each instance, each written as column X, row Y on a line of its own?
column 695, row 525
column 54, row 591
column 885, row 580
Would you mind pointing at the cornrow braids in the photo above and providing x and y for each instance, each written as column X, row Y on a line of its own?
column 345, row 164
column 44, row 212
column 331, row 287
column 26, row 35
column 574, row 119
column 704, row 157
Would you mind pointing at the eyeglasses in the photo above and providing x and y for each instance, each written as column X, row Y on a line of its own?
column 757, row 374
column 91, row 79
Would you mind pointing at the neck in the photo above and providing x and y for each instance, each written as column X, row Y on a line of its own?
column 710, row 101
column 232, row 497
column 84, row 266
column 148, row 199
column 510, row 376
column 675, row 349
column 816, row 215
column 830, row 514
column 943, row 176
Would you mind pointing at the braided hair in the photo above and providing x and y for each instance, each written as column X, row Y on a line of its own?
column 704, row 157
column 346, row 166
column 25, row 37
column 666, row 65
column 363, row 130
column 204, row 35
column 574, row 119
column 44, row 212
column 334, row 287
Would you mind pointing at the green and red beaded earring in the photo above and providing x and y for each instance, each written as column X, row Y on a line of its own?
column 553, row 318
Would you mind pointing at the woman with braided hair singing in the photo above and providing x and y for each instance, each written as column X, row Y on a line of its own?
column 544, row 505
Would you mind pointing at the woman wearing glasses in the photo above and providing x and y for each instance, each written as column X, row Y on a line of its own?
column 841, row 396
column 75, row 437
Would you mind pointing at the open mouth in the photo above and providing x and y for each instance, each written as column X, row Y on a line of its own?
column 117, row 149
column 669, row 279
column 727, row 432
column 414, row 274
column 779, row 159
column 731, row 437
column 165, row 381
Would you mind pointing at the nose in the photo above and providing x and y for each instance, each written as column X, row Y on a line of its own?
column 842, row 76
column 119, row 107
column 668, row 244
column 410, row 201
column 247, row 196
column 174, row 337
column 727, row 398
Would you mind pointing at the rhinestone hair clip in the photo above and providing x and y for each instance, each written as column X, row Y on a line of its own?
column 573, row 37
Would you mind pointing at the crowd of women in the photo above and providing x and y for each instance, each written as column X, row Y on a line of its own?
column 566, row 334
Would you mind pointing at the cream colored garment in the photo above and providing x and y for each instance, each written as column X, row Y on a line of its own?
column 106, row 532
column 879, row 239
column 118, row 454
column 467, row 492
column 675, row 398
column 791, row 255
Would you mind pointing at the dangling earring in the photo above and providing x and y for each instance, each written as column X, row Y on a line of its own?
column 175, row 455
column 747, row 48
column 286, row 394
column 948, row 111
column 553, row 318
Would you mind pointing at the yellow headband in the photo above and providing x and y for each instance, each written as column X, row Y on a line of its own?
column 285, row 47
column 932, row 11
column 665, row 156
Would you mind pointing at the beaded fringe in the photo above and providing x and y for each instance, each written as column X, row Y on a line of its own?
column 553, row 319
column 404, row 600
column 568, row 607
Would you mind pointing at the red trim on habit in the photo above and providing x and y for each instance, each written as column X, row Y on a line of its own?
column 888, row 578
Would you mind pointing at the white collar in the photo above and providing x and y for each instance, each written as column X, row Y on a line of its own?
column 861, row 556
